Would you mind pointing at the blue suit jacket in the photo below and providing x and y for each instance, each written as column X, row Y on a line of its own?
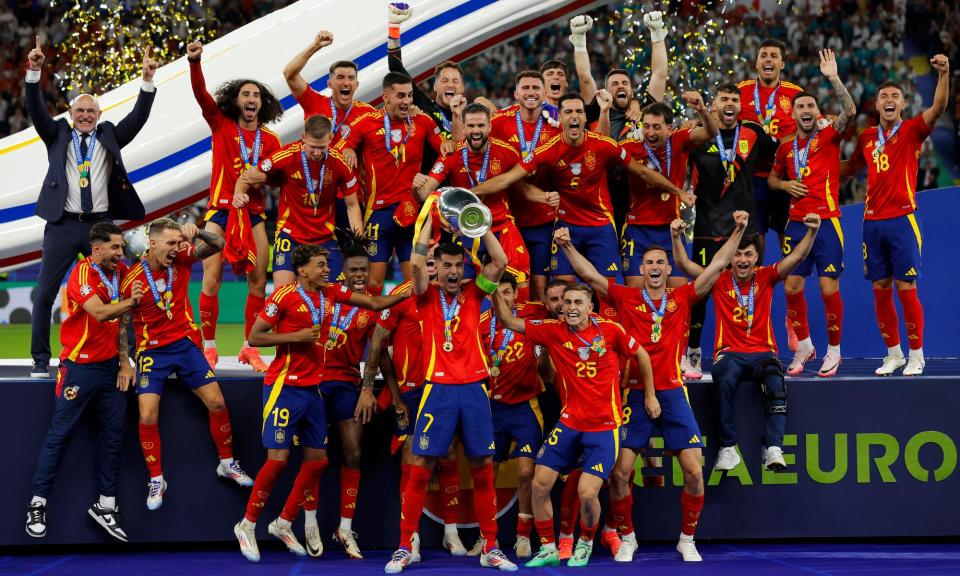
column 124, row 204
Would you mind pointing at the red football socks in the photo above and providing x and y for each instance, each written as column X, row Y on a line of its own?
column 250, row 311
column 588, row 532
column 266, row 478
column 411, row 506
column 570, row 502
column 913, row 317
column 450, row 490
column 349, row 487
column 525, row 525
column 887, row 319
column 620, row 515
column 303, row 488
column 797, row 313
column 690, row 507
column 833, row 307
column 150, row 444
column 209, row 313
column 485, row 504
column 220, row 431
column 545, row 530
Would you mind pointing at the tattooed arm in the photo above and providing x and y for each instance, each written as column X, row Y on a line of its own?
column 828, row 66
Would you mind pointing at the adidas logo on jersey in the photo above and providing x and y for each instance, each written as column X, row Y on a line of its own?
column 597, row 468
column 568, row 345
column 453, row 502
column 911, row 272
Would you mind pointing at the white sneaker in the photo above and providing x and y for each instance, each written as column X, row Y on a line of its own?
column 915, row 366
column 773, row 459
column 451, row 541
column 890, row 365
column 247, row 538
column 688, row 550
column 415, row 548
column 349, row 541
column 831, row 362
column 522, row 547
column 803, row 355
column 311, row 536
column 727, row 458
column 690, row 365
column 155, row 490
column 400, row 560
column 234, row 472
column 497, row 559
column 283, row 531
column 628, row 546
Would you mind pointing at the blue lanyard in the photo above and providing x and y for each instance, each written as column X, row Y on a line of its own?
column 337, row 326
column 333, row 118
column 497, row 356
column 882, row 140
column 85, row 162
column 528, row 146
column 447, row 124
column 314, row 195
column 598, row 344
column 800, row 159
column 482, row 176
column 249, row 162
column 112, row 284
column 165, row 301
column 656, row 314
column 450, row 311
column 387, row 137
column 748, row 304
column 771, row 108
column 727, row 156
column 316, row 316
column 651, row 153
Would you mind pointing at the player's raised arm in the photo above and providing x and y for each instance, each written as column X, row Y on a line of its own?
column 418, row 260
column 584, row 269
column 800, row 252
column 209, row 243
column 828, row 66
column 604, row 102
column 505, row 314
column 493, row 270
column 657, row 86
column 687, row 266
column 705, row 281
column 291, row 72
column 941, row 64
column 579, row 26
column 708, row 130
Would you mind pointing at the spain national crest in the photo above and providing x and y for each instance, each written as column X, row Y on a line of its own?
column 785, row 104
column 279, row 436
column 424, row 442
column 362, row 319
column 671, row 305
column 590, row 160
column 70, row 392
column 495, row 166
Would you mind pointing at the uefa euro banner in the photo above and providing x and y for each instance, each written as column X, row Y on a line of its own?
column 866, row 457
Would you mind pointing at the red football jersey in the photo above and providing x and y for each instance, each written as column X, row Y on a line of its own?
column 225, row 144
column 892, row 177
column 637, row 317
column 150, row 322
column 589, row 382
column 782, row 125
column 732, row 318
column 84, row 340
column 467, row 362
column 452, row 171
column 821, row 175
column 403, row 323
column 519, row 380
column 314, row 103
column 297, row 364
column 503, row 127
column 653, row 206
column 296, row 214
column 350, row 334
column 579, row 174
column 389, row 172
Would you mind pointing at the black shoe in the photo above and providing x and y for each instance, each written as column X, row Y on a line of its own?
column 41, row 369
column 37, row 520
column 109, row 519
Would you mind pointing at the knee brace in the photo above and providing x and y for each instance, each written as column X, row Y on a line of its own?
column 773, row 385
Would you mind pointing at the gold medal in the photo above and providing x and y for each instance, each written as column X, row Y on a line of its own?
column 655, row 336
column 169, row 314
column 494, row 371
column 876, row 153
column 84, row 182
column 331, row 344
column 448, row 346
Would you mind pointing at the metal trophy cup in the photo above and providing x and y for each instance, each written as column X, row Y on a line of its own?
column 462, row 213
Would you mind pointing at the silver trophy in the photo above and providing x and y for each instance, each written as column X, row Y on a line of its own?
column 462, row 213
column 136, row 242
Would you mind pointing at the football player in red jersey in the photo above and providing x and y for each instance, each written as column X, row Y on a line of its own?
column 455, row 397
column 294, row 320
column 585, row 351
column 891, row 227
column 746, row 350
column 656, row 315
column 555, row 81
column 237, row 116
column 94, row 366
column 392, row 143
column 651, row 211
column 807, row 167
column 168, row 341
column 311, row 177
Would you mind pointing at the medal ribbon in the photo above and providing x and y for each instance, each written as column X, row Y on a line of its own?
column 84, row 163
column 249, row 162
column 770, row 110
column 447, row 124
column 337, row 326
column 598, row 344
column 496, row 357
column 314, row 194
column 163, row 302
column 528, row 146
column 450, row 312
column 335, row 129
column 316, row 316
column 112, row 284
column 882, row 140
column 748, row 304
column 656, row 314
column 656, row 161
column 387, row 137
column 800, row 159
column 727, row 156
column 482, row 176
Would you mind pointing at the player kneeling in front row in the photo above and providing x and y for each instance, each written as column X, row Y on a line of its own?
column 454, row 396
column 293, row 320
column 657, row 316
column 168, row 342
column 745, row 347
column 585, row 351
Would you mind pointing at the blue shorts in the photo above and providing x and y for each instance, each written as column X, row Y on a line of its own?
column 219, row 217
column 284, row 246
column 293, row 410
column 772, row 207
column 411, row 397
column 827, row 251
column 566, row 449
column 385, row 236
column 538, row 239
column 340, row 399
column 597, row 243
column 520, row 423
column 448, row 409
column 183, row 358
column 636, row 239
column 676, row 421
column 892, row 248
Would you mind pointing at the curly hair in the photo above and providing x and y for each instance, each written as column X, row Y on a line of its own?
column 226, row 97
column 351, row 244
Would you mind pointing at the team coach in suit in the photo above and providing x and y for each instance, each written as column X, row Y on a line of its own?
column 86, row 183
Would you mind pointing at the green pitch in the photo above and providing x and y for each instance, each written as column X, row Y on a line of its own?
column 15, row 340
